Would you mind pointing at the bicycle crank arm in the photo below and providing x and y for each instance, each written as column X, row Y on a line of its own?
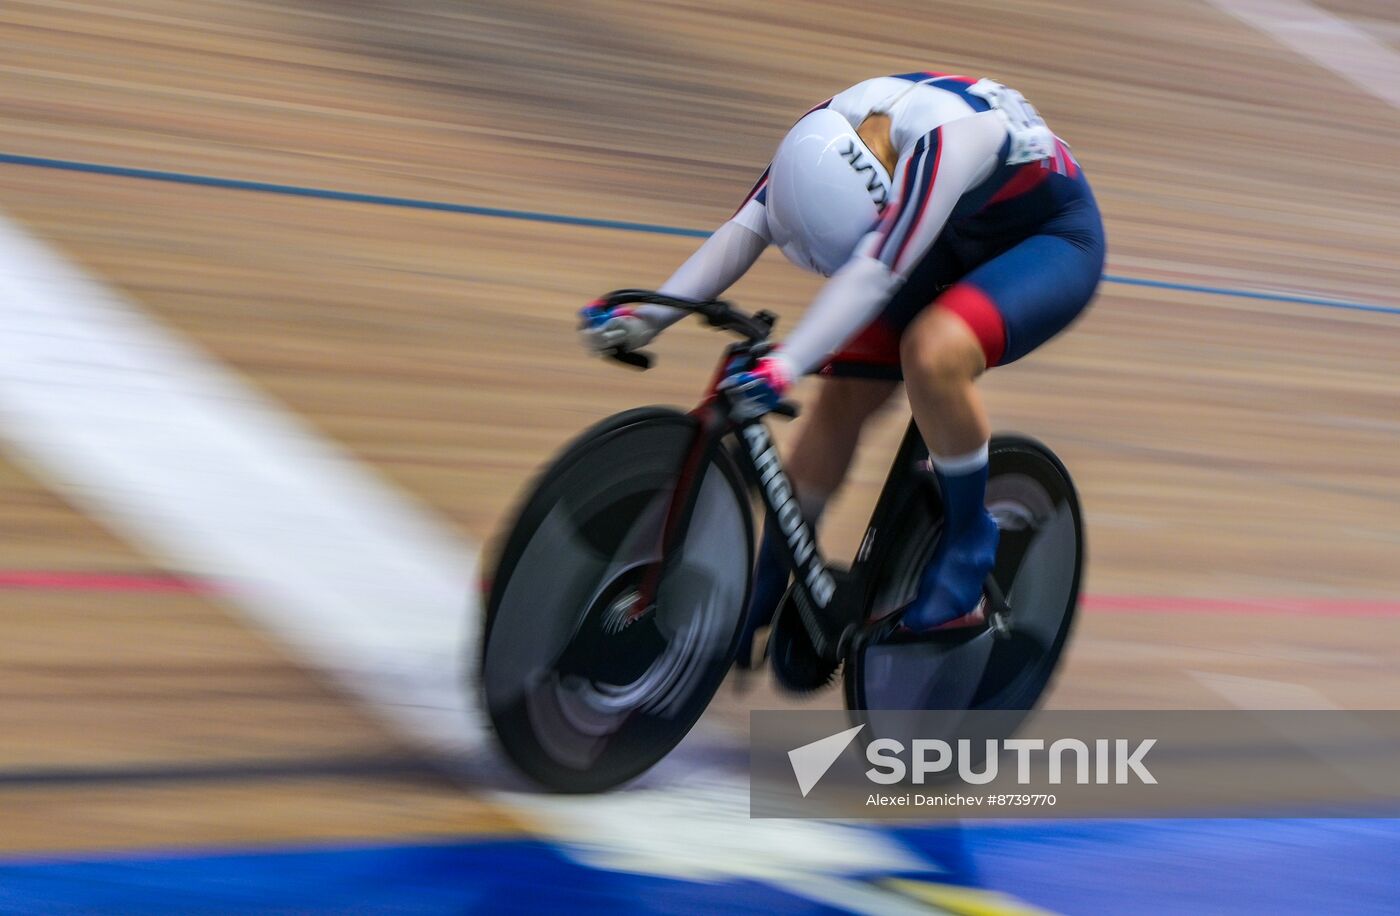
column 997, row 611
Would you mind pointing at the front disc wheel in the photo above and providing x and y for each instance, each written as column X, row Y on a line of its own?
column 587, row 683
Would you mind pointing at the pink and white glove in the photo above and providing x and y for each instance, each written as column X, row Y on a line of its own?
column 756, row 391
column 618, row 329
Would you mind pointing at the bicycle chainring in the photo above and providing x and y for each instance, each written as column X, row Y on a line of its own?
column 797, row 666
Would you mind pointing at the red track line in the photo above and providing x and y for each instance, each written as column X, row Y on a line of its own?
column 77, row 581
column 163, row 583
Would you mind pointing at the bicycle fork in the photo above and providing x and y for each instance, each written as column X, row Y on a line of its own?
column 681, row 505
column 818, row 597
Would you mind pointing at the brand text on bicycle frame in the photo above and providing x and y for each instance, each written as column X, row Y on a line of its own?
column 819, row 582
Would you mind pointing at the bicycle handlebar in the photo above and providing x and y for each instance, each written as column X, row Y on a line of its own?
column 717, row 313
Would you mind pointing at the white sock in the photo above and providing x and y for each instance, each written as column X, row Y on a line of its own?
column 957, row 465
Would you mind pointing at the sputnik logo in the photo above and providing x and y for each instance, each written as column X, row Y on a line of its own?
column 811, row 761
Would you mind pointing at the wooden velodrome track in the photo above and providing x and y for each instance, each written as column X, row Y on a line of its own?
column 1236, row 455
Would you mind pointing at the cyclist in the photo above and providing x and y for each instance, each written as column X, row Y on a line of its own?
column 958, row 233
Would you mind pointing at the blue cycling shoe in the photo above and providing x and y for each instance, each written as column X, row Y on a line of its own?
column 951, row 586
column 770, row 582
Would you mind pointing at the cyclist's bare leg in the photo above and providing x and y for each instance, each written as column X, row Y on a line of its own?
column 827, row 435
column 942, row 359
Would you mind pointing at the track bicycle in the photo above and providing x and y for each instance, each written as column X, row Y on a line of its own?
column 619, row 593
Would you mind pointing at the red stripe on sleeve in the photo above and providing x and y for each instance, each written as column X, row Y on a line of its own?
column 753, row 192
column 923, row 205
column 892, row 214
column 1066, row 158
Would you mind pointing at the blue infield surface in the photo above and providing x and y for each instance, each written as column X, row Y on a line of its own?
column 1208, row 866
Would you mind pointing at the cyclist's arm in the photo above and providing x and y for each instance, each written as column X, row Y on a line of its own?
column 720, row 261
column 943, row 166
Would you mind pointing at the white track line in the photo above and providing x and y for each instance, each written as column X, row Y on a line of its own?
column 1326, row 40
column 154, row 438
column 170, row 450
column 700, row 830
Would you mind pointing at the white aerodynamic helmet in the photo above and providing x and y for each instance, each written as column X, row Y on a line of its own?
column 825, row 191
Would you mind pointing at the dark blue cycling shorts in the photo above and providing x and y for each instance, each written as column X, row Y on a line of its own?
column 1018, row 271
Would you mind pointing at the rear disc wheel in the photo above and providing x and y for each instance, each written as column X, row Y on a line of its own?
column 1039, row 564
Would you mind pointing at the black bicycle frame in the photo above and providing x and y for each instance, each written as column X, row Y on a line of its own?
column 827, row 610
column 832, row 601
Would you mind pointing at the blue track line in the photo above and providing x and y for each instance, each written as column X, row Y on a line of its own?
column 381, row 200
column 1253, row 294
column 535, row 216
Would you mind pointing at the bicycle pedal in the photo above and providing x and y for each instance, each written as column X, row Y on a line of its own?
column 995, row 609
